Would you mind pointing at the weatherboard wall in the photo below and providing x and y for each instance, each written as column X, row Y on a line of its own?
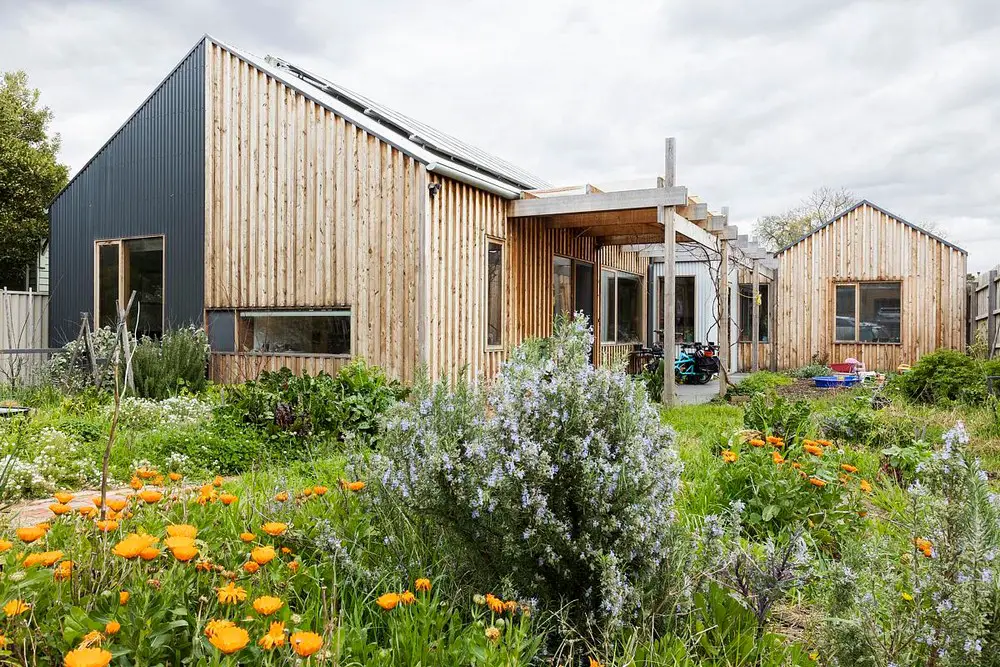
column 147, row 180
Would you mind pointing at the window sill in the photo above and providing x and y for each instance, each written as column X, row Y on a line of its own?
column 311, row 355
column 865, row 342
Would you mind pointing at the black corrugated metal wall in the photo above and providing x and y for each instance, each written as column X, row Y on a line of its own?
column 148, row 179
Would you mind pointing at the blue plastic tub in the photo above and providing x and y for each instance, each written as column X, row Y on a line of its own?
column 831, row 381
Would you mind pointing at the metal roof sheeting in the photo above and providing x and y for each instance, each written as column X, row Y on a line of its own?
column 408, row 134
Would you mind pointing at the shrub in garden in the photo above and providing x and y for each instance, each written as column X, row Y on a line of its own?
column 174, row 363
column 930, row 594
column 777, row 416
column 782, row 484
column 37, row 462
column 352, row 402
column 559, row 479
column 944, row 376
column 70, row 368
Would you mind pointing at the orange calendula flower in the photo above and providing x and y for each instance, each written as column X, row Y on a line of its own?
column 228, row 498
column 352, row 486
column 15, row 607
column 320, row 490
column 146, row 473
column 63, row 497
column 29, row 534
column 215, row 625
column 87, row 656
column 206, row 494
column 251, row 567
column 133, row 545
column 230, row 639
column 274, row 528
column 729, row 456
column 184, row 553
column 46, row 558
column 924, row 546
column 136, row 483
column 815, row 450
column 267, row 605
column 112, row 627
column 307, row 491
column 305, row 643
column 777, row 457
column 182, row 530
column 123, row 597
column 816, row 481
column 775, row 440
column 178, row 541
column 231, row 594
column 494, row 603
column 848, row 468
column 59, row 509
column 865, row 486
column 5, row 545
column 175, row 476
column 63, row 571
column 422, row 585
column 151, row 497
column 274, row 638
column 87, row 511
column 756, row 442
column 248, row 537
column 217, row 482
column 294, row 566
column 262, row 555
column 286, row 551
column 117, row 504
column 388, row 601
column 406, row 597
column 281, row 497
column 595, row 663
column 203, row 565
column 825, row 443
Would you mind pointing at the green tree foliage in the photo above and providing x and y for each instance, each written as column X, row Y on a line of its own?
column 777, row 231
column 30, row 176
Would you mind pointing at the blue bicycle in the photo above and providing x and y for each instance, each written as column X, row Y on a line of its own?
column 696, row 363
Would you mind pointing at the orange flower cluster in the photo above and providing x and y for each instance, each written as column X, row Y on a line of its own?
column 729, row 456
column 775, row 440
column 352, row 486
column 756, row 442
column 924, row 546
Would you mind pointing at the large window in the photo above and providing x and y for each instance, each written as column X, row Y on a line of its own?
column 683, row 308
column 572, row 287
column 125, row 266
column 867, row 312
column 494, row 294
column 621, row 307
column 295, row 331
column 746, row 313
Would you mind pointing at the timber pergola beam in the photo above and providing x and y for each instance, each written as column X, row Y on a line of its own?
column 596, row 202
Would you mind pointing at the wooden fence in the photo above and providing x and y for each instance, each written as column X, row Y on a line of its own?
column 984, row 311
column 24, row 332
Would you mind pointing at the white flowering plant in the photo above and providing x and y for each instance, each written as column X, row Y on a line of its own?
column 935, row 599
column 43, row 461
column 559, row 478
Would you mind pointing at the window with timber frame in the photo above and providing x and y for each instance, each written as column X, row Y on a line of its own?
column 309, row 332
column 494, row 294
column 868, row 312
column 572, row 287
column 123, row 266
column 621, row 307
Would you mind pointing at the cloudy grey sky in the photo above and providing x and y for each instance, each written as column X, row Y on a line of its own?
column 898, row 101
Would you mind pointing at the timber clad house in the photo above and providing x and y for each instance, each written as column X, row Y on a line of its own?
column 302, row 225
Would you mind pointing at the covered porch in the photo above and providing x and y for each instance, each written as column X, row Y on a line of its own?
column 624, row 221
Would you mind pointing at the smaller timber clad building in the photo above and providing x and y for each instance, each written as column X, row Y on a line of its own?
column 303, row 224
column 872, row 286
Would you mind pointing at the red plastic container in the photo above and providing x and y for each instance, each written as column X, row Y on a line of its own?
column 842, row 368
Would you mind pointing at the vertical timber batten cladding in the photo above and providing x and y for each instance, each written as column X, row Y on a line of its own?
column 741, row 309
column 867, row 244
column 306, row 210
column 147, row 180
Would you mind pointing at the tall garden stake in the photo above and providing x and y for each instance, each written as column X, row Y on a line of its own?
column 122, row 346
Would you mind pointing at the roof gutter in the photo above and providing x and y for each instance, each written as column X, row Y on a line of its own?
column 470, row 178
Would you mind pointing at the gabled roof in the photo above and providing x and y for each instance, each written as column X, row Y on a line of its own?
column 413, row 137
column 865, row 202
